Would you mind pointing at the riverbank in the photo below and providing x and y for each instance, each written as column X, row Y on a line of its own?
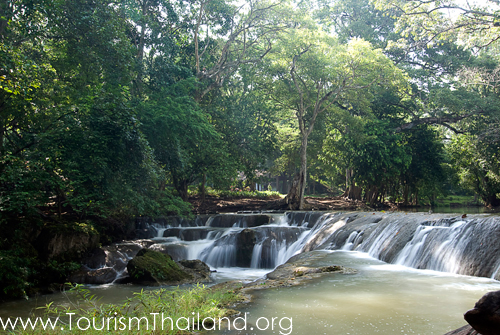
column 225, row 204
column 233, row 204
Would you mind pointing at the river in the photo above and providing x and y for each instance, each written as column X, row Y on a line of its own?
column 381, row 298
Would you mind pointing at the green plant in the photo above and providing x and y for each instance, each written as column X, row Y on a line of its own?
column 178, row 304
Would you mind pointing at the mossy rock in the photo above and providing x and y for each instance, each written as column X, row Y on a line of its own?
column 153, row 267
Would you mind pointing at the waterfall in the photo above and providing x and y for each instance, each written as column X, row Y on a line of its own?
column 442, row 242
column 261, row 241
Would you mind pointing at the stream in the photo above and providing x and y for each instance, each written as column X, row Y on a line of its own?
column 418, row 273
column 380, row 299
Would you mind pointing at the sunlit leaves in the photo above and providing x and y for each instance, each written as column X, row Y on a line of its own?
column 472, row 24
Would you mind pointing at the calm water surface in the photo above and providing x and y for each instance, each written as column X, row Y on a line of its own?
column 380, row 299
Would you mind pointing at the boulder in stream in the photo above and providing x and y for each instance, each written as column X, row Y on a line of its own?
column 485, row 316
column 155, row 268
column 296, row 271
column 93, row 276
column 245, row 242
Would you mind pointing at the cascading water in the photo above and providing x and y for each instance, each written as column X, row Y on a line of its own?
column 438, row 242
column 381, row 298
column 441, row 242
column 256, row 241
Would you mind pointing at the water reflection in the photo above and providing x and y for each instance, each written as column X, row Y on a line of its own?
column 448, row 209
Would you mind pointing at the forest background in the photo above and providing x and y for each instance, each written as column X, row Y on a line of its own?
column 111, row 110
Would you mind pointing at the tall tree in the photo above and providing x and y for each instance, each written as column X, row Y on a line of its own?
column 314, row 74
column 227, row 36
column 474, row 24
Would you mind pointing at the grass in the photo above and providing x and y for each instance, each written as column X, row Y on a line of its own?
column 180, row 309
column 238, row 193
column 457, row 201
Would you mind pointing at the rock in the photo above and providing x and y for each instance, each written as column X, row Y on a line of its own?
column 192, row 234
column 156, row 268
column 271, row 240
column 143, row 222
column 485, row 316
column 195, row 264
column 146, row 233
column 94, row 277
column 292, row 270
column 198, row 269
column 305, row 219
column 94, row 259
column 118, row 254
column 176, row 251
column 465, row 330
column 296, row 271
column 63, row 244
column 237, row 220
column 245, row 242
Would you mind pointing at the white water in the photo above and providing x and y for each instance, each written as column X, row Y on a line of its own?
column 381, row 299
column 438, row 242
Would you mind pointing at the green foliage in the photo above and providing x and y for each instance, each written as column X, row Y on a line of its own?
column 235, row 192
column 246, row 122
column 176, row 303
column 431, row 22
column 191, row 146
column 476, row 170
column 112, row 110
column 13, row 274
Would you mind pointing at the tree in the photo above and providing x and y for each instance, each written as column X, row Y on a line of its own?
column 315, row 73
column 246, row 119
column 476, row 160
column 233, row 36
column 475, row 147
column 350, row 19
column 185, row 144
column 473, row 24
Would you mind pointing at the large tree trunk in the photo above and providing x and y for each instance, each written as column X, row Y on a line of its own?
column 181, row 186
column 491, row 201
column 405, row 195
column 295, row 197
column 352, row 191
column 202, row 188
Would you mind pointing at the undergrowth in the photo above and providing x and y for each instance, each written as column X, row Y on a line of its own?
column 142, row 314
column 236, row 192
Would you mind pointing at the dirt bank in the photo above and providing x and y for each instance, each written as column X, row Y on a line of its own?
column 213, row 205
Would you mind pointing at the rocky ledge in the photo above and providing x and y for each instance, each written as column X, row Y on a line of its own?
column 296, row 271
